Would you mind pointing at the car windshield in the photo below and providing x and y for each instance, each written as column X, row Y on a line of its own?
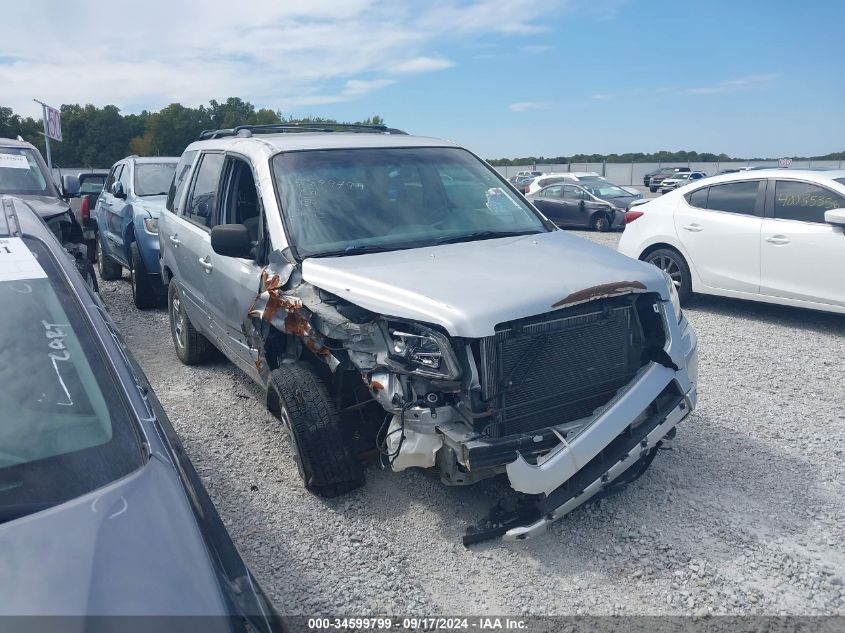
column 606, row 191
column 350, row 201
column 20, row 173
column 153, row 179
column 91, row 184
column 65, row 431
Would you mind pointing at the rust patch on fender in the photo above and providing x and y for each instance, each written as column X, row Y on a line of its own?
column 600, row 292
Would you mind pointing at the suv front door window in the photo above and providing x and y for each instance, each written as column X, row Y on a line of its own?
column 802, row 257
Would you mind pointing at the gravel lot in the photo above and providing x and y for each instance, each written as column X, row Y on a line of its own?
column 746, row 515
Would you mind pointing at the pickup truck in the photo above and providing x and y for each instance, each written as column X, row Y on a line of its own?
column 83, row 190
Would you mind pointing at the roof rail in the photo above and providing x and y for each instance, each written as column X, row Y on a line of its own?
column 275, row 128
column 13, row 224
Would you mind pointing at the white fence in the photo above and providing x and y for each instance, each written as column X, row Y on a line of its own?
column 632, row 173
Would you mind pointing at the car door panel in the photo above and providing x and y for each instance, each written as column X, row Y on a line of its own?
column 802, row 260
column 723, row 246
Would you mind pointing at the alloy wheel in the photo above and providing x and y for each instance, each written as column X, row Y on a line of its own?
column 670, row 267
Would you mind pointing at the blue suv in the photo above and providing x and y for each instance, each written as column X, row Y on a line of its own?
column 127, row 224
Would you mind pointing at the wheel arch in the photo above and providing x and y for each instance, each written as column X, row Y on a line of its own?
column 696, row 281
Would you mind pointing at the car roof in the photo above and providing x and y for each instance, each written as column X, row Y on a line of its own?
column 13, row 142
column 822, row 177
column 298, row 141
column 151, row 159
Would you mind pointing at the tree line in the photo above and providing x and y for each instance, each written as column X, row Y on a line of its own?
column 98, row 137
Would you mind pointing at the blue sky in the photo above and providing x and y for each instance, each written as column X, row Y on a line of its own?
column 503, row 77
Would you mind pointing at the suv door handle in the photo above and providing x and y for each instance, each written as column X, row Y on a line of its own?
column 778, row 239
column 206, row 263
column 694, row 228
column 174, row 241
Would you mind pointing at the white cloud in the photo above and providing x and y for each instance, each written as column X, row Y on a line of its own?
column 269, row 52
column 533, row 49
column 734, row 84
column 525, row 106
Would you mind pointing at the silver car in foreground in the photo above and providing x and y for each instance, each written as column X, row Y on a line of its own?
column 394, row 292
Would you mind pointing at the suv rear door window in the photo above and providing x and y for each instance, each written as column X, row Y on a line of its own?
column 734, row 197
column 65, row 429
column 202, row 205
column 804, row 201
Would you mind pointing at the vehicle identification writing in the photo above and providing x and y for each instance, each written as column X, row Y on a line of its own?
column 16, row 261
column 13, row 161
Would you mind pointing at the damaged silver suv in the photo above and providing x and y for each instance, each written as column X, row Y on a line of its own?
column 394, row 292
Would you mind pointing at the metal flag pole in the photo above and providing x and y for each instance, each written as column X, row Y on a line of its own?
column 46, row 133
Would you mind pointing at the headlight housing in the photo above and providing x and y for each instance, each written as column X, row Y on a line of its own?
column 673, row 296
column 422, row 351
column 151, row 225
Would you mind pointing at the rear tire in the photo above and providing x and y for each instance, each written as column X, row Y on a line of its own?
column 672, row 262
column 192, row 348
column 144, row 293
column 300, row 400
column 108, row 268
column 653, row 189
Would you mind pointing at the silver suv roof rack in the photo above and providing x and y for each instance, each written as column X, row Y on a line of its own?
column 276, row 128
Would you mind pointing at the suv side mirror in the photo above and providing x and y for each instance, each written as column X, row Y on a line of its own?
column 231, row 240
column 835, row 217
column 117, row 190
column 70, row 185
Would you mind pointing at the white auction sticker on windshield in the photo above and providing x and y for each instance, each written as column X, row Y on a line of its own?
column 14, row 161
column 17, row 262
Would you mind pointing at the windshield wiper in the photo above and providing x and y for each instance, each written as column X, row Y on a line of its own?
column 360, row 249
column 483, row 235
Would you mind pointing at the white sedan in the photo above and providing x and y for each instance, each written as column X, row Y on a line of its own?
column 770, row 235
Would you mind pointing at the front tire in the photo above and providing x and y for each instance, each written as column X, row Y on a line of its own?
column 108, row 268
column 144, row 292
column 300, row 400
column 192, row 348
column 673, row 263
column 600, row 223
column 653, row 189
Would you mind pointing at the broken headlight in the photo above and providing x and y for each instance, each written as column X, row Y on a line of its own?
column 675, row 298
column 421, row 350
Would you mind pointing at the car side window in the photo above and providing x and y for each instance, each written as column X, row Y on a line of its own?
column 552, row 192
column 240, row 204
column 202, row 207
column 180, row 181
column 114, row 174
column 734, row 197
column 698, row 198
column 125, row 180
column 804, row 201
column 572, row 193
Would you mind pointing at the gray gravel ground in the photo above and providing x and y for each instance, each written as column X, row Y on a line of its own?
column 746, row 515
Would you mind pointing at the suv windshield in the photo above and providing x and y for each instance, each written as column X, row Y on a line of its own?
column 153, row 179
column 350, row 201
column 20, row 173
column 64, row 429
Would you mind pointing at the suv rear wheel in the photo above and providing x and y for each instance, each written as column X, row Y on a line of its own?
column 192, row 348
column 108, row 268
column 300, row 400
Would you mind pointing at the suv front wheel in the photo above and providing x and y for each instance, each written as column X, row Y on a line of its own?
column 301, row 402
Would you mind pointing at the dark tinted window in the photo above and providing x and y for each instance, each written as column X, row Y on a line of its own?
column 698, row 198
column 201, row 207
column 735, row 197
column 114, row 174
column 153, row 179
column 180, row 180
column 804, row 201
column 125, row 180
column 65, row 429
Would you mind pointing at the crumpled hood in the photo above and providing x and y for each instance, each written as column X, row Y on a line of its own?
column 132, row 548
column 45, row 206
column 151, row 204
column 469, row 288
